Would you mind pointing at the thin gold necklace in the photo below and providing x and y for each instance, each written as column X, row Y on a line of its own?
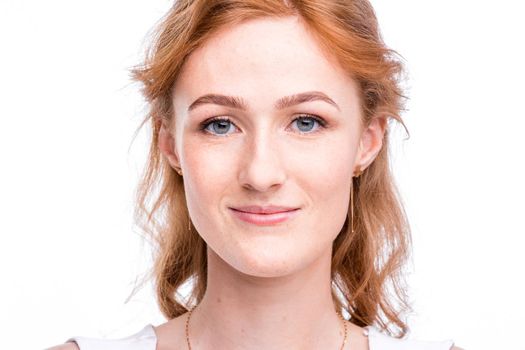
column 191, row 310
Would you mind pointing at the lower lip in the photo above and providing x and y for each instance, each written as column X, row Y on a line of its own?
column 264, row 219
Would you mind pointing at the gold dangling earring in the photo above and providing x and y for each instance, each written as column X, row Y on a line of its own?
column 356, row 174
column 352, row 208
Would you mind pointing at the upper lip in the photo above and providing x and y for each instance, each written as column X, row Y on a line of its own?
column 267, row 209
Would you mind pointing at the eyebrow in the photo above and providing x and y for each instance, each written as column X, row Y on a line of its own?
column 282, row 103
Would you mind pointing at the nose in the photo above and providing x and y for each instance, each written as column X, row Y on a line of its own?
column 261, row 167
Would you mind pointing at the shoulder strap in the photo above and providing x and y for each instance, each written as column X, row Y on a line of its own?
column 142, row 340
column 380, row 341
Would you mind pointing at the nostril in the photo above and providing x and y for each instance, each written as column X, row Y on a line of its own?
column 262, row 178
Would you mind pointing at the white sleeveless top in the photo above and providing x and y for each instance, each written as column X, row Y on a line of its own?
column 147, row 340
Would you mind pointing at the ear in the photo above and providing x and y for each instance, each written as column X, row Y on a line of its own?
column 166, row 143
column 371, row 142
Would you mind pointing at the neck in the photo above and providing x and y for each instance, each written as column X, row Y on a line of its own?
column 239, row 311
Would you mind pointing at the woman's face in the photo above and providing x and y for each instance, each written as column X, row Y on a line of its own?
column 288, row 135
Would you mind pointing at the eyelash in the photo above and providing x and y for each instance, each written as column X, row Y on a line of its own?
column 204, row 124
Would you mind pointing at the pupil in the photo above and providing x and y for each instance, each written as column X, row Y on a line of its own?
column 223, row 126
column 305, row 122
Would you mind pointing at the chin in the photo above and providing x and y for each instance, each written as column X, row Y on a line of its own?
column 267, row 271
column 271, row 265
column 269, row 255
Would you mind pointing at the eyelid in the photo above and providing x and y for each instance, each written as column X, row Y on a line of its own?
column 320, row 120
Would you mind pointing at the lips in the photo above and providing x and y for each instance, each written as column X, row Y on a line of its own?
column 270, row 209
column 264, row 216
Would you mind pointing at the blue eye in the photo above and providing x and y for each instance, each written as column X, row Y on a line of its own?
column 219, row 126
column 306, row 123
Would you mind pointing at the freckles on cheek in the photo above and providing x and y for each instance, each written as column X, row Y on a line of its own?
column 334, row 181
column 327, row 164
column 209, row 168
column 213, row 161
column 333, row 174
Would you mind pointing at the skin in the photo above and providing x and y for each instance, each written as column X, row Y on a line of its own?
column 268, row 286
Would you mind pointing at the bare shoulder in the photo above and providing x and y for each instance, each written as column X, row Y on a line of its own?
column 455, row 348
column 66, row 346
column 170, row 335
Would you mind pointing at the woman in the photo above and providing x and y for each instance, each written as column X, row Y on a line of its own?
column 268, row 181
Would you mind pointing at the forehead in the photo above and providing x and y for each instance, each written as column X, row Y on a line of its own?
column 262, row 58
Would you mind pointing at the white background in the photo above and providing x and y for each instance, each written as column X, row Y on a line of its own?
column 69, row 254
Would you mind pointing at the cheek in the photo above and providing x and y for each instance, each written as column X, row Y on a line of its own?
column 332, row 202
column 325, row 176
column 209, row 178
column 326, row 165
